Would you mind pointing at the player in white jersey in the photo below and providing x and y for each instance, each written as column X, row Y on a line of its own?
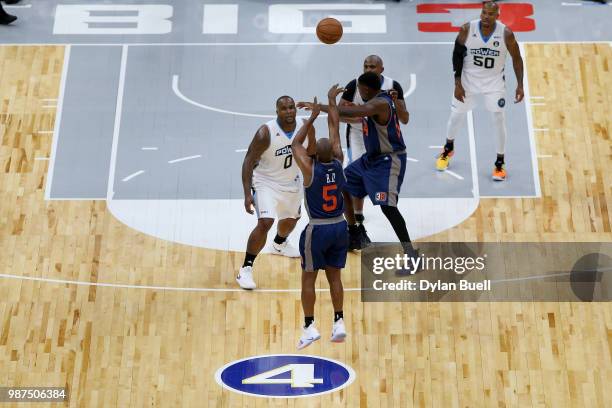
column 354, row 129
column 272, row 184
column 479, row 59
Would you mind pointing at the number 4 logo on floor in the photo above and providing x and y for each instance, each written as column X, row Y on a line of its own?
column 284, row 376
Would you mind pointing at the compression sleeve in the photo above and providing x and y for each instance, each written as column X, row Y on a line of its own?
column 458, row 54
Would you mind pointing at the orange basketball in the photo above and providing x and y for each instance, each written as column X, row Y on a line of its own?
column 329, row 30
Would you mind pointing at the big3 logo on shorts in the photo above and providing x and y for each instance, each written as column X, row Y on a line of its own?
column 381, row 196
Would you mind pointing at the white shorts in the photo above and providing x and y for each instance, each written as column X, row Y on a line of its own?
column 356, row 145
column 271, row 203
column 493, row 101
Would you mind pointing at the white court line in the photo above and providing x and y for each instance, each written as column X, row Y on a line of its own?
column 187, row 289
column 435, row 147
column 540, row 130
column 44, row 132
column 131, row 176
column 473, row 163
column 413, row 84
column 410, row 159
column 58, row 119
column 118, row 111
column 538, row 104
column 177, row 92
column 184, row 158
column 168, row 288
column 455, row 175
column 532, row 142
column 241, row 150
column 148, row 148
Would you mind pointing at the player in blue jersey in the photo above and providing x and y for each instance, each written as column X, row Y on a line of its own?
column 379, row 173
column 324, row 241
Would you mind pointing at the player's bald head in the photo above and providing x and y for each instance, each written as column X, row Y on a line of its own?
column 490, row 5
column 283, row 99
column 373, row 63
column 324, row 150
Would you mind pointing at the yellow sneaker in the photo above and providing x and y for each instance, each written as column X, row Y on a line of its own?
column 443, row 160
column 499, row 173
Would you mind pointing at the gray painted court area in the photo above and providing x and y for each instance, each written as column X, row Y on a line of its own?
column 168, row 148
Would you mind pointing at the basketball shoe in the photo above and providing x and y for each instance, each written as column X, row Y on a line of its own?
column 310, row 334
column 499, row 171
column 444, row 159
column 245, row 278
column 338, row 331
column 285, row 249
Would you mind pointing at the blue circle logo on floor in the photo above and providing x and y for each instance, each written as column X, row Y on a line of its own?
column 284, row 376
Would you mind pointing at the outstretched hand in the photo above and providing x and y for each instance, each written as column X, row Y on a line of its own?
column 304, row 105
column 315, row 108
column 334, row 91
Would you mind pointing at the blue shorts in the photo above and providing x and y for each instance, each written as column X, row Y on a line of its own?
column 379, row 178
column 324, row 245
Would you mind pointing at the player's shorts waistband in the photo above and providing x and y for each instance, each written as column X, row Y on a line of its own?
column 326, row 221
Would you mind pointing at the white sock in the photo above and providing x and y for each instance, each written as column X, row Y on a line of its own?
column 499, row 125
column 455, row 123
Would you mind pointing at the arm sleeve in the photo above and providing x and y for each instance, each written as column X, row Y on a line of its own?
column 351, row 88
column 458, row 54
column 400, row 91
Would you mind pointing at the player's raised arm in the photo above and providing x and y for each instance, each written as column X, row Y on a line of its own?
column 517, row 63
column 333, row 122
column 458, row 55
column 300, row 154
column 397, row 93
column 258, row 145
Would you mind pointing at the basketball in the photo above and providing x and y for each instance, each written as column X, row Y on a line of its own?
column 329, row 30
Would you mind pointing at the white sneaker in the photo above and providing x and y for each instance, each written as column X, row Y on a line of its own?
column 285, row 249
column 310, row 334
column 245, row 278
column 338, row 331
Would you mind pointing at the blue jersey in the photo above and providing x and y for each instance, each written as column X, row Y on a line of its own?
column 323, row 197
column 383, row 139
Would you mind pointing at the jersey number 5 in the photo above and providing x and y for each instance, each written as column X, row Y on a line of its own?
column 331, row 202
column 488, row 61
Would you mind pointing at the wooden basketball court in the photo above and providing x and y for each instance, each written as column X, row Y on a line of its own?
column 124, row 346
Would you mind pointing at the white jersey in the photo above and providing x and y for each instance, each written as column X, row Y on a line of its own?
column 484, row 62
column 276, row 168
column 387, row 85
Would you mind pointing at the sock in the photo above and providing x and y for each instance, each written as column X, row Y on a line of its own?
column 338, row 315
column 359, row 217
column 449, row 146
column 249, row 259
column 279, row 240
column 454, row 125
column 308, row 320
column 500, row 160
column 499, row 127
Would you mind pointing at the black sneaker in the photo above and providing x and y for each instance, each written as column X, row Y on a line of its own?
column 6, row 18
column 410, row 270
column 355, row 241
column 365, row 240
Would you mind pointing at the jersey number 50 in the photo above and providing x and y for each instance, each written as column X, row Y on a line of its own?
column 487, row 63
column 331, row 202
